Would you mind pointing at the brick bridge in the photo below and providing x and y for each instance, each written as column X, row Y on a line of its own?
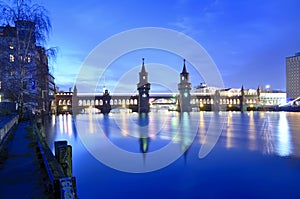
column 183, row 101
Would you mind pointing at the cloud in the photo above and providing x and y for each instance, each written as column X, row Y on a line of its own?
column 196, row 17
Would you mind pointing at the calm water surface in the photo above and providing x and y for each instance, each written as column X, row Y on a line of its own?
column 256, row 156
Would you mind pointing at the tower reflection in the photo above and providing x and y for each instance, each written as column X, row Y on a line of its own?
column 144, row 139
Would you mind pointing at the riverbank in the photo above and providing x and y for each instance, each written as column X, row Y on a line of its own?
column 20, row 171
column 28, row 165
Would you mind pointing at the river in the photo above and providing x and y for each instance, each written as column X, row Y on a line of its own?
column 171, row 155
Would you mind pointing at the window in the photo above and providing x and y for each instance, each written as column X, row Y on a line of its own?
column 11, row 58
column 0, row 85
column 28, row 58
column 11, row 45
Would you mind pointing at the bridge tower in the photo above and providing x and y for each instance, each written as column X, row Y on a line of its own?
column 242, row 100
column 106, row 107
column 184, row 88
column 143, row 87
column 75, row 108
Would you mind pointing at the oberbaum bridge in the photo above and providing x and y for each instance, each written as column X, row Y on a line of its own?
column 183, row 101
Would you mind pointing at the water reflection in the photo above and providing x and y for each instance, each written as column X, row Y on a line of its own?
column 185, row 133
column 267, row 135
column 284, row 143
column 241, row 144
column 252, row 132
column 65, row 124
column 229, row 133
column 270, row 133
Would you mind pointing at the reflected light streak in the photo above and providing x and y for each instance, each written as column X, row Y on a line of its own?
column 61, row 124
column 124, row 129
column 284, row 144
column 229, row 131
column 185, row 132
column 252, row 132
column 53, row 120
column 70, row 129
column 202, row 130
column 267, row 136
column 174, row 123
column 91, row 123
column 65, row 124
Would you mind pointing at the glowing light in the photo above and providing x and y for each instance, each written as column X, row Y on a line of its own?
column 69, row 123
column 252, row 132
column 284, row 145
column 229, row 134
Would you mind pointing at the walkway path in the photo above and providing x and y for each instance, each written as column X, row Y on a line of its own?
column 20, row 175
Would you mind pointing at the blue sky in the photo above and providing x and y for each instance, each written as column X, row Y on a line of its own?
column 248, row 40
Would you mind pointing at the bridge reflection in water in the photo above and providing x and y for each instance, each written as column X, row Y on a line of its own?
column 253, row 149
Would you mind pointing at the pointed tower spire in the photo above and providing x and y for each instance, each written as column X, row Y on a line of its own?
column 143, row 66
column 184, row 71
column 75, row 89
column 184, row 75
column 143, row 74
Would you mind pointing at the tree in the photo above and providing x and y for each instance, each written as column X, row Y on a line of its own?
column 30, row 25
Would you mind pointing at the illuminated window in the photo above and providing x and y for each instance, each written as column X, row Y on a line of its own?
column 28, row 59
column 11, row 46
column 144, row 77
column 11, row 58
column 0, row 85
column 182, row 78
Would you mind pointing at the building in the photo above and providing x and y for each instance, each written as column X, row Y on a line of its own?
column 143, row 88
column 184, row 88
column 293, row 76
column 24, row 71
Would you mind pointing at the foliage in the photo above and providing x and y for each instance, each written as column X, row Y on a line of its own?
column 23, row 10
column 32, row 26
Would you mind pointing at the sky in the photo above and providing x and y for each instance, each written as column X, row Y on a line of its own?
column 247, row 40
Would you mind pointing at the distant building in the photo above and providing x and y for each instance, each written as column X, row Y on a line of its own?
column 24, row 67
column 293, row 76
column 262, row 96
